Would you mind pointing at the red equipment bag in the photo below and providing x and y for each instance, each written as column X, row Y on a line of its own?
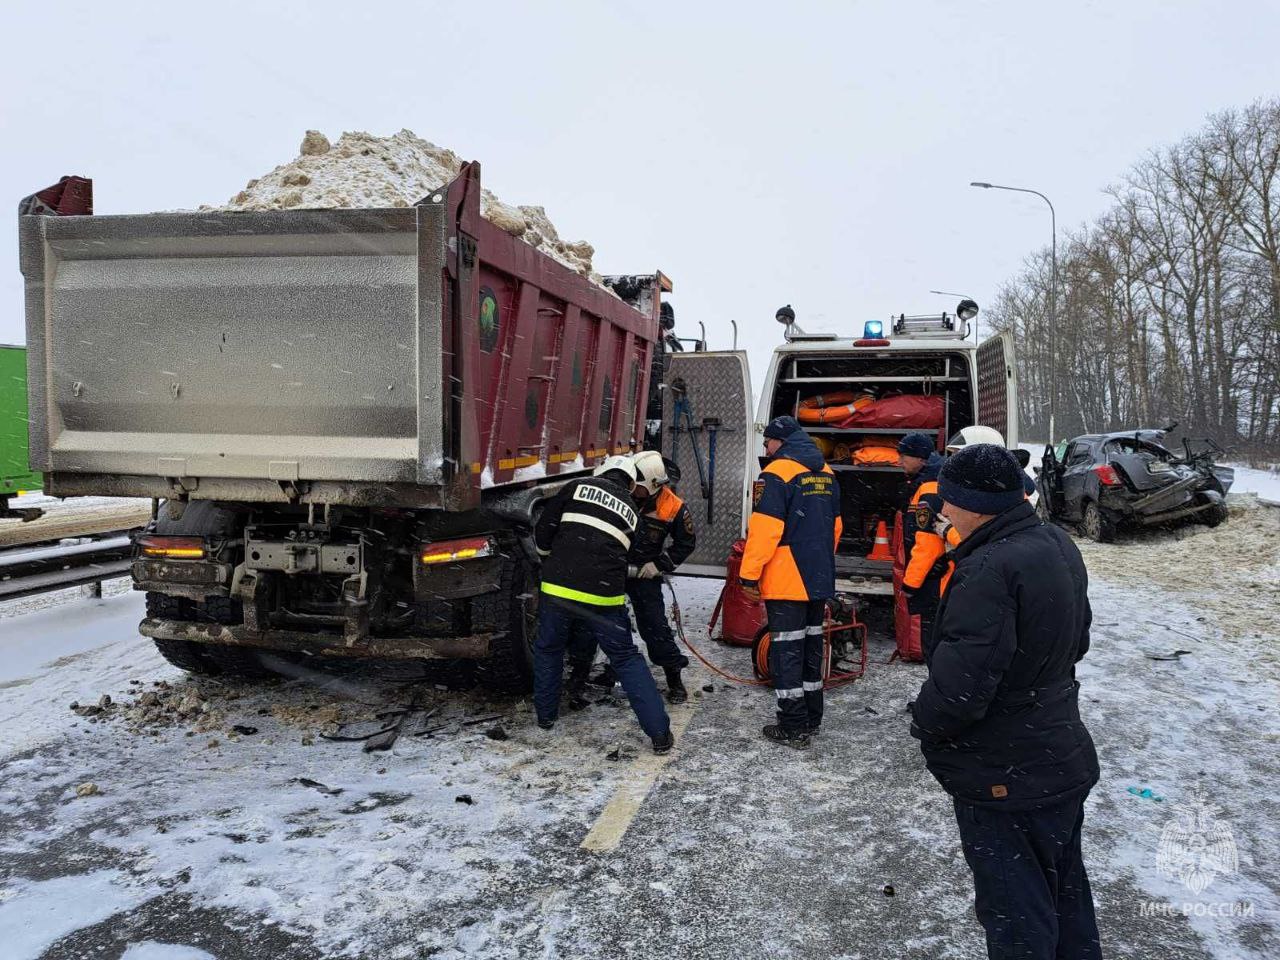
column 743, row 618
column 906, row 411
column 906, row 627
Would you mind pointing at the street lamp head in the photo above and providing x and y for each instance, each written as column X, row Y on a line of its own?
column 979, row 183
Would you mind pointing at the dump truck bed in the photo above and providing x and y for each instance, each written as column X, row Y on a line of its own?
column 414, row 356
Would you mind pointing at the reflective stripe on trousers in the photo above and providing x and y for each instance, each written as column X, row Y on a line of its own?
column 795, row 660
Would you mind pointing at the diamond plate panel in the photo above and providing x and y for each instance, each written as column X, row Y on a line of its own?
column 994, row 377
column 717, row 385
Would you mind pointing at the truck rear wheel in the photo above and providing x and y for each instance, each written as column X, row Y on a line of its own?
column 183, row 654
column 206, row 659
column 512, row 611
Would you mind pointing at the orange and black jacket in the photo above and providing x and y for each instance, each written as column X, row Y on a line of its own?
column 795, row 526
column 924, row 549
column 663, row 517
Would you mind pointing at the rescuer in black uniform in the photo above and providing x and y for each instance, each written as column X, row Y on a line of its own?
column 663, row 540
column 584, row 536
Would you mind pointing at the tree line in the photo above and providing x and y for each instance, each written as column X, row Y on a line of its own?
column 1168, row 305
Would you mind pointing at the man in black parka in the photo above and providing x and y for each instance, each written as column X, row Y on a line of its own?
column 998, row 717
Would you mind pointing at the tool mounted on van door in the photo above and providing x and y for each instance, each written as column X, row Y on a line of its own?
column 682, row 421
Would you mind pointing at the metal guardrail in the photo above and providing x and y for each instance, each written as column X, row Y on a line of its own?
column 25, row 573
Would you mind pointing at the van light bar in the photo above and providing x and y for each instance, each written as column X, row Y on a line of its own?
column 448, row 551
column 173, row 548
column 871, row 342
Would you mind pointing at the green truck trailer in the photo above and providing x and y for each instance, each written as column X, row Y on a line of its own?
column 15, row 474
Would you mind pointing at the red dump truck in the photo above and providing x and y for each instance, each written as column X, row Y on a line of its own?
column 345, row 418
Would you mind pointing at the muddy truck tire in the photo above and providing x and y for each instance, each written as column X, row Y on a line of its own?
column 511, row 612
column 206, row 659
column 200, row 519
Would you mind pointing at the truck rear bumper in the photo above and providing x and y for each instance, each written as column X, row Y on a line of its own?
column 475, row 647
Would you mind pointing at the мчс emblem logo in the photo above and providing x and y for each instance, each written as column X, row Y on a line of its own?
column 1195, row 847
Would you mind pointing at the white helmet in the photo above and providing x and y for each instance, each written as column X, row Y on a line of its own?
column 971, row 435
column 616, row 463
column 651, row 472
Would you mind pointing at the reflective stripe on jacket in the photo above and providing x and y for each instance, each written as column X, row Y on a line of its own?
column 585, row 534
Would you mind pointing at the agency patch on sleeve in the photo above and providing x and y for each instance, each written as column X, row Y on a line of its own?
column 924, row 516
column 757, row 491
column 688, row 523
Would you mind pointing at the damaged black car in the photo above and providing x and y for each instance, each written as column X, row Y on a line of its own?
column 1106, row 482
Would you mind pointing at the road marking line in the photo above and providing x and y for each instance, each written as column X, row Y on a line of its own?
column 611, row 826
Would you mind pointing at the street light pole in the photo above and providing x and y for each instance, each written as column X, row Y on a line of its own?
column 1053, row 296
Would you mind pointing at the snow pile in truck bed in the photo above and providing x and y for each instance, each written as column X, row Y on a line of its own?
column 363, row 170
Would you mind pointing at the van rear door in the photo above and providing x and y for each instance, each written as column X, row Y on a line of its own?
column 998, row 387
column 707, row 431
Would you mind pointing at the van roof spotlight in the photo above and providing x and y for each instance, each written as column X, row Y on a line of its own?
column 966, row 310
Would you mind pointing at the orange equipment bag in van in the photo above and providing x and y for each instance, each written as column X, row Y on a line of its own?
column 906, row 411
column 743, row 618
column 877, row 453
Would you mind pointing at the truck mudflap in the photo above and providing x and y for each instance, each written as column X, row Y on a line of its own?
column 474, row 647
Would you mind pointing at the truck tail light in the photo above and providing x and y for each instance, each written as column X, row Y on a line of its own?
column 172, row 548
column 871, row 342
column 1107, row 474
column 450, row 551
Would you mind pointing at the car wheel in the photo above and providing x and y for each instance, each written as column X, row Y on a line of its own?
column 1096, row 525
column 1215, row 515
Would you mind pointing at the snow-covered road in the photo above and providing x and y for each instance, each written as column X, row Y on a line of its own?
column 462, row 844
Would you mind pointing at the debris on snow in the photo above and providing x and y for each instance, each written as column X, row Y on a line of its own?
column 363, row 170
column 87, row 790
column 317, row 785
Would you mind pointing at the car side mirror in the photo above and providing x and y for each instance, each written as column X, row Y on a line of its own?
column 1022, row 456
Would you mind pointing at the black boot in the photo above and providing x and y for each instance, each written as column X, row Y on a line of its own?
column 664, row 743
column 797, row 739
column 605, row 678
column 676, row 693
column 576, row 687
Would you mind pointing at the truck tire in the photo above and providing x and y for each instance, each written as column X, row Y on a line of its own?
column 203, row 518
column 205, row 659
column 512, row 610
column 183, row 654
column 1096, row 524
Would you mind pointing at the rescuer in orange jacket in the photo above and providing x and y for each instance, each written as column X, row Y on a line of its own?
column 924, row 548
column 789, row 562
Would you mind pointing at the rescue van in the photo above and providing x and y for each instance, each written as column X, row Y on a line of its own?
column 856, row 395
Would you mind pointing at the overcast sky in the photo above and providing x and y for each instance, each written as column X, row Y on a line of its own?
column 811, row 153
